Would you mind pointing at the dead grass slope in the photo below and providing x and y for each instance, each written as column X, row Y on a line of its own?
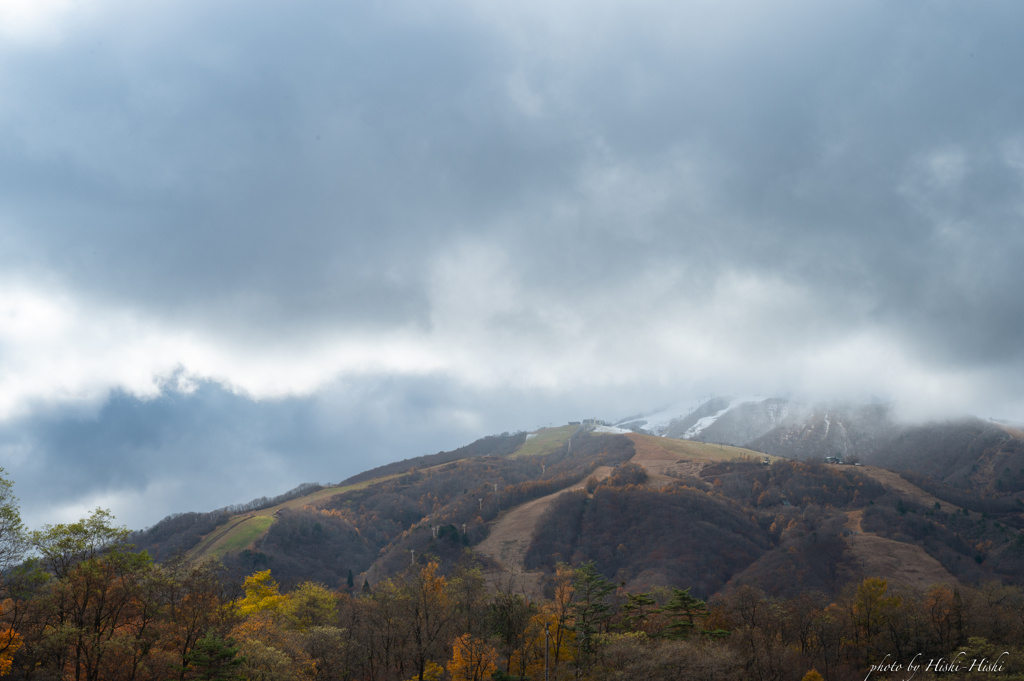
column 510, row 536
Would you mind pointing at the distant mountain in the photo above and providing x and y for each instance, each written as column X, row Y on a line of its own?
column 966, row 453
column 778, row 426
column 688, row 424
column 739, row 421
column 847, row 431
column 657, row 501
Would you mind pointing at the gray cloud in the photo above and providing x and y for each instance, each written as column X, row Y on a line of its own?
column 208, row 447
column 648, row 201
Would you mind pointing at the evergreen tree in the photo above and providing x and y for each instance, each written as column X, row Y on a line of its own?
column 590, row 611
column 350, row 582
column 215, row 659
column 366, row 587
column 684, row 611
column 635, row 609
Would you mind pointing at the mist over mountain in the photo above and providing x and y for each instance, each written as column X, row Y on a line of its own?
column 869, row 433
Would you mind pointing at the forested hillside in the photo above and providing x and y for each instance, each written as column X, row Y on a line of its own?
column 627, row 534
column 697, row 516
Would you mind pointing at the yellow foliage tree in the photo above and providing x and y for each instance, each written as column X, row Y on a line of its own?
column 310, row 605
column 562, row 638
column 812, row 675
column 872, row 607
column 431, row 672
column 472, row 659
column 529, row 659
column 261, row 595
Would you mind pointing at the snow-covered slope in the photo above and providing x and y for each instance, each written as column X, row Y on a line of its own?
column 775, row 425
column 658, row 422
column 687, row 423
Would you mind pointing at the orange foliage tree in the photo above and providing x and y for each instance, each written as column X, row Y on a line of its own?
column 10, row 642
column 472, row 659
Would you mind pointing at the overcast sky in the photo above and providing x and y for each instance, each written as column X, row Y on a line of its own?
column 245, row 245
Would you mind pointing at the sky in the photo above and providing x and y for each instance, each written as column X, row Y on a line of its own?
column 246, row 245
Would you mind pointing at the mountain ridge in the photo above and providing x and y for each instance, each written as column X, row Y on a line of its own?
column 647, row 508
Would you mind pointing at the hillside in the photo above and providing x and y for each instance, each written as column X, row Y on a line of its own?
column 650, row 511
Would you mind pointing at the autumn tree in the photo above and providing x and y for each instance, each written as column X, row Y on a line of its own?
column 62, row 546
column 271, row 651
column 193, row 597
column 384, row 635
column 101, row 608
column 870, row 610
column 558, row 615
column 828, row 642
column 327, row 647
column 310, row 605
column 430, row 610
column 10, row 642
column 472, row 659
column 760, row 634
column 509, row 616
column 12, row 543
column 262, row 594
column 943, row 610
column 469, row 593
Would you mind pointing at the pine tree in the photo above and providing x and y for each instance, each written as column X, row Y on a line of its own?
column 635, row 609
column 350, row 582
column 589, row 609
column 366, row 587
column 215, row 659
column 683, row 610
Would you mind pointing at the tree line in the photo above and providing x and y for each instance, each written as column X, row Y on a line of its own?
column 86, row 606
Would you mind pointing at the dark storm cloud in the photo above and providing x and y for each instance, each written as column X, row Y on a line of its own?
column 288, row 161
column 294, row 167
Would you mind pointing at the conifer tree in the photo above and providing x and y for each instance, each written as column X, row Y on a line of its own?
column 683, row 610
column 590, row 611
column 635, row 609
column 215, row 659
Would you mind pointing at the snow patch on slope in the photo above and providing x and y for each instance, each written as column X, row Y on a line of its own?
column 659, row 422
column 702, row 424
column 611, row 429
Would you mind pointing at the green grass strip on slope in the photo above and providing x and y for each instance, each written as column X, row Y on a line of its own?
column 205, row 543
column 545, row 441
column 237, row 533
column 242, row 535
